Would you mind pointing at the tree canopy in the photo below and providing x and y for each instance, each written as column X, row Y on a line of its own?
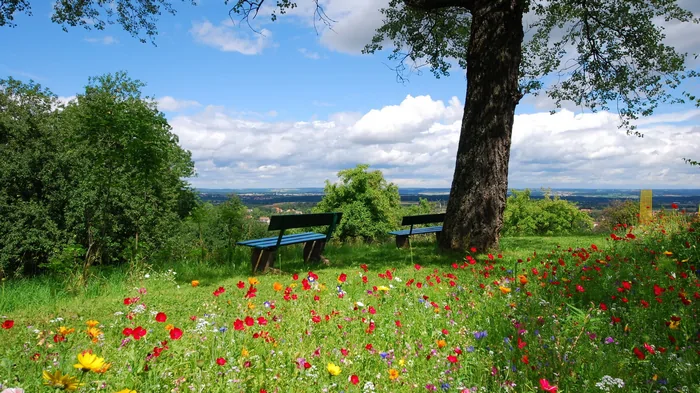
column 102, row 172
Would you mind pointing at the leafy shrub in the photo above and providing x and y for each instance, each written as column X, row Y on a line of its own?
column 371, row 207
column 547, row 216
column 619, row 212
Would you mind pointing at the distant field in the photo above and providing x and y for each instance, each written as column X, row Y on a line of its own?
column 586, row 199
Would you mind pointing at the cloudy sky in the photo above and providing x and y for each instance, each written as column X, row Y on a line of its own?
column 293, row 105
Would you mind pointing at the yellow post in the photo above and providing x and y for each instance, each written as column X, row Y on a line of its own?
column 645, row 207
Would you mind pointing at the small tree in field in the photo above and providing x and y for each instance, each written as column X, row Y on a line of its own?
column 371, row 207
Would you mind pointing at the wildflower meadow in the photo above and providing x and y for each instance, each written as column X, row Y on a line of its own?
column 617, row 315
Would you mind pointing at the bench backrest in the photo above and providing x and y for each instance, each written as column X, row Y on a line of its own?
column 423, row 219
column 291, row 221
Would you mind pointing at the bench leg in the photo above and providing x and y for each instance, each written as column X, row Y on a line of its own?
column 437, row 237
column 402, row 241
column 313, row 250
column 262, row 260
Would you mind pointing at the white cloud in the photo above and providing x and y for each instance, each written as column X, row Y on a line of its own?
column 309, row 54
column 228, row 38
column 170, row 104
column 106, row 40
column 414, row 143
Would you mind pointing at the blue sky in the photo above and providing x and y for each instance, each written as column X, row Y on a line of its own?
column 292, row 106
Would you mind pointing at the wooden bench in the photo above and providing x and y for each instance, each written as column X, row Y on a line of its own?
column 402, row 236
column 264, row 250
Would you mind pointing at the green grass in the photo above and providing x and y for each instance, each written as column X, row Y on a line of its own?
column 48, row 296
column 542, row 318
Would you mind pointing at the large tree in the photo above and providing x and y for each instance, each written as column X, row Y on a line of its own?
column 599, row 54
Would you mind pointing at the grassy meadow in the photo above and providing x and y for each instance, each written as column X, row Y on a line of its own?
column 567, row 314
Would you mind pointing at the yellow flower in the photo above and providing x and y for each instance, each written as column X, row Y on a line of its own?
column 668, row 253
column 674, row 324
column 437, row 310
column 127, row 391
column 169, row 327
column 92, row 323
column 504, row 290
column 195, row 283
column 104, row 368
column 64, row 331
column 402, row 362
column 383, row 288
column 244, row 353
column 88, row 361
column 251, row 306
column 253, row 281
column 333, row 369
column 277, row 286
column 94, row 333
column 59, row 381
column 441, row 343
column 393, row 373
column 685, row 260
column 293, row 285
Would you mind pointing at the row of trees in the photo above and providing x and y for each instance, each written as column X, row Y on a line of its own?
column 90, row 181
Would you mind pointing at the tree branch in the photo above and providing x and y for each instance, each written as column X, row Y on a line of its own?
column 430, row 5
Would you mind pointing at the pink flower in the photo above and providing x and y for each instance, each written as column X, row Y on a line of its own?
column 544, row 384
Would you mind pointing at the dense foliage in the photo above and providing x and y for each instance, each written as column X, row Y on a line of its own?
column 209, row 234
column 547, row 216
column 625, row 213
column 371, row 206
column 97, row 180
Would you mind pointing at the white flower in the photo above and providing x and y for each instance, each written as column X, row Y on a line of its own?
column 147, row 276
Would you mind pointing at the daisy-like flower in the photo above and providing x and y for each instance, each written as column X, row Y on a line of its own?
column 57, row 380
column 393, row 373
column 92, row 323
column 88, row 361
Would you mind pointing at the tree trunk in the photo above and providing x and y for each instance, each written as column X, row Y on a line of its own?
column 478, row 196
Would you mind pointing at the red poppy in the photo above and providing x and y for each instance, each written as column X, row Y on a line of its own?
column 639, row 353
column 262, row 321
column 220, row 361
column 354, row 379
column 452, row 359
column 8, row 324
column 398, row 323
column 249, row 321
column 238, row 324
column 139, row 332
column 674, row 206
column 343, row 277
column 127, row 331
column 364, row 267
column 295, row 276
column 372, row 310
column 417, row 266
column 240, row 285
column 544, row 384
column 175, row 334
column 161, row 317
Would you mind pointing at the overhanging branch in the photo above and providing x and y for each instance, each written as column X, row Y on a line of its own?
column 430, row 5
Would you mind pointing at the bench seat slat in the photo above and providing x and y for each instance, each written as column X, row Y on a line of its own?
column 417, row 231
column 286, row 240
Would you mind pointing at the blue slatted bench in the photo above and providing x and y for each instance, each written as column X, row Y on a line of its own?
column 264, row 250
column 402, row 236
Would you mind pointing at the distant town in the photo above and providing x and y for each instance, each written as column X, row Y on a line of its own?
column 299, row 199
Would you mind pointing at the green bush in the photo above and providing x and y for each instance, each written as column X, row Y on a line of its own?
column 547, row 216
column 371, row 207
column 619, row 212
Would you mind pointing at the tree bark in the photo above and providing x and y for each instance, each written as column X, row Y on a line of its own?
column 478, row 196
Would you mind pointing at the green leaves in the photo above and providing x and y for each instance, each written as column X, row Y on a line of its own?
column 98, row 173
column 371, row 206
